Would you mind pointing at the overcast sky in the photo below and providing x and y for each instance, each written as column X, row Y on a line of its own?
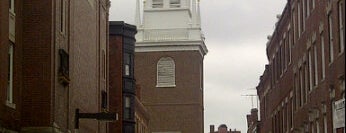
column 236, row 35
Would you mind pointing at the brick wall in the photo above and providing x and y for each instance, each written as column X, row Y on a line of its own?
column 115, row 81
column 41, row 101
column 287, row 89
column 163, row 103
column 3, row 58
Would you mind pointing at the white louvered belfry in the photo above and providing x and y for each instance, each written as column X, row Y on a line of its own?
column 165, row 72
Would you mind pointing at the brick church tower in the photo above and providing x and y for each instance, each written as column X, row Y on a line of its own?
column 169, row 64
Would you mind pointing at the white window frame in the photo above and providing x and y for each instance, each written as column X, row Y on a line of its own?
column 301, row 87
column 9, row 97
column 299, row 20
column 12, row 21
column 317, row 126
column 315, row 64
column 11, row 7
column 310, row 70
column 330, row 35
column 323, row 63
column 63, row 16
column 341, row 27
column 165, row 72
column 308, row 8
column 304, row 14
column 289, row 46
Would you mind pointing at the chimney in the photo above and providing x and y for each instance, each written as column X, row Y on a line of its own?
column 212, row 128
column 254, row 114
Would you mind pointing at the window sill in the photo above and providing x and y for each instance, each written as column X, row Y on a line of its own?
column 165, row 86
column 341, row 53
column 11, row 105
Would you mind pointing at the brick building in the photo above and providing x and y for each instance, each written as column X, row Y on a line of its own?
column 222, row 129
column 252, row 121
column 141, row 114
column 121, row 76
column 53, row 57
column 303, row 87
column 169, row 65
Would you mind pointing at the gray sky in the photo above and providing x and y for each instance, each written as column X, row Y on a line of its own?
column 236, row 32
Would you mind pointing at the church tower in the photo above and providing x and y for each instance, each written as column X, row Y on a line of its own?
column 169, row 57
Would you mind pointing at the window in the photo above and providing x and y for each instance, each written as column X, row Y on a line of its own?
column 12, row 21
column 342, row 86
column 315, row 65
column 166, row 72
column 292, row 113
column 325, row 123
column 323, row 60
column 127, row 64
column 301, row 87
column 104, row 64
column 11, row 6
column 341, row 27
column 330, row 33
column 299, row 20
column 9, row 99
column 294, row 19
column 306, row 82
column 304, row 14
column 174, row 3
column 281, row 55
column 317, row 126
column 127, row 107
column 62, row 15
column 157, row 4
column 64, row 63
column 308, row 8
column 104, row 100
column 310, row 70
column 297, row 96
column 289, row 46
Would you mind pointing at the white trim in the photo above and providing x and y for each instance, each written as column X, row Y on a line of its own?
column 172, row 46
column 9, row 97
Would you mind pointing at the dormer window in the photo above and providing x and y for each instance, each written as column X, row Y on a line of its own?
column 174, row 3
column 157, row 3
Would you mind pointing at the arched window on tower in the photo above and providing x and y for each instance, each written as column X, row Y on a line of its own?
column 165, row 72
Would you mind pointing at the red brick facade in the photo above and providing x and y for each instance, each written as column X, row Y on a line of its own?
column 121, row 71
column 252, row 121
column 306, row 70
column 179, row 108
column 42, row 28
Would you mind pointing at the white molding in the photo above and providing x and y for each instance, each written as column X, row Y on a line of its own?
column 172, row 46
column 12, row 26
column 10, row 104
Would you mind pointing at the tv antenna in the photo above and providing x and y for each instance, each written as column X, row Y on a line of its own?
column 252, row 96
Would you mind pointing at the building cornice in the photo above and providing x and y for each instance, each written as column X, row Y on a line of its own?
column 164, row 46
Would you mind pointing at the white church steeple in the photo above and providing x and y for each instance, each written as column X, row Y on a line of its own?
column 167, row 21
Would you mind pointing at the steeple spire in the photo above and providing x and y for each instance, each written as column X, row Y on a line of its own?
column 138, row 14
column 198, row 15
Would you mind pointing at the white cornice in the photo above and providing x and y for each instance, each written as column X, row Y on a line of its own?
column 197, row 45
